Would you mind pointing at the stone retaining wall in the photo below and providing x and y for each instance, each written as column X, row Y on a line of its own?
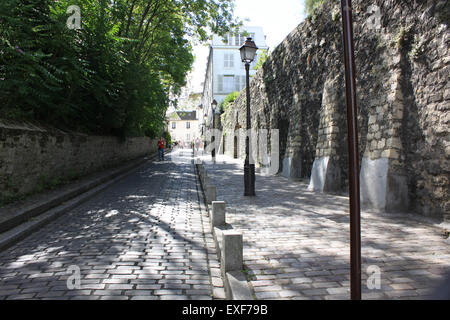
column 403, row 91
column 32, row 156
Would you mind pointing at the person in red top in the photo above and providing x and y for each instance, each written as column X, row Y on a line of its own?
column 161, row 145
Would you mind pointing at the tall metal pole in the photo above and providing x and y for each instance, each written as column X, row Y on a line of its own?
column 353, row 154
column 249, row 169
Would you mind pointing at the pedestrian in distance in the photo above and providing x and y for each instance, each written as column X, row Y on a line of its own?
column 197, row 144
column 161, row 145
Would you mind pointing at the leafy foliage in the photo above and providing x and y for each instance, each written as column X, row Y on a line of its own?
column 166, row 135
column 262, row 58
column 229, row 99
column 114, row 75
column 311, row 5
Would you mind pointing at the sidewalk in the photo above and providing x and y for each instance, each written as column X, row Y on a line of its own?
column 296, row 242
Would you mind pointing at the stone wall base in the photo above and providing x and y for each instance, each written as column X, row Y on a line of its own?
column 382, row 189
column 325, row 175
column 292, row 166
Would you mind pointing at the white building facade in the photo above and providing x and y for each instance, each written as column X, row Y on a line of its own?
column 225, row 72
column 183, row 126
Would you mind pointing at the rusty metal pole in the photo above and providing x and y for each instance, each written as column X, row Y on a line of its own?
column 353, row 154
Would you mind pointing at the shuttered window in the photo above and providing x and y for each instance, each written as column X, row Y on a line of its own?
column 228, row 60
column 220, row 83
column 239, row 40
column 228, row 84
column 228, row 39
column 239, row 83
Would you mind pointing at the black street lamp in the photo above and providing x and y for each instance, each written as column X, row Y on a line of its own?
column 213, row 138
column 248, row 52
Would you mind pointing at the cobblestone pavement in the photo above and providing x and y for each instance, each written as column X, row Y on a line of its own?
column 142, row 238
column 296, row 242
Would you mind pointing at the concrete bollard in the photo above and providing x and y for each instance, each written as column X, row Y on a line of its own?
column 218, row 214
column 232, row 251
column 210, row 193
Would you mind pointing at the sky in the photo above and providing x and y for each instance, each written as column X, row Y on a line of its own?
column 277, row 18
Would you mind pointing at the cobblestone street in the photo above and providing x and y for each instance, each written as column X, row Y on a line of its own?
column 296, row 242
column 142, row 238
column 146, row 237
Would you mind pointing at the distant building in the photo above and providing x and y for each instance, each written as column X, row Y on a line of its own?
column 183, row 126
column 225, row 72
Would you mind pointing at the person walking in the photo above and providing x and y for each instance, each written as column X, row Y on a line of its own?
column 161, row 145
column 197, row 144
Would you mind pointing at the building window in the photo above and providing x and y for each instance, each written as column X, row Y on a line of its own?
column 174, row 125
column 219, row 83
column 239, row 83
column 239, row 40
column 228, row 84
column 228, row 39
column 228, row 60
column 188, row 137
column 188, row 125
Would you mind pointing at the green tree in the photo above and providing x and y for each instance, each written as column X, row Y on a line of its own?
column 262, row 58
column 167, row 137
column 114, row 75
column 229, row 99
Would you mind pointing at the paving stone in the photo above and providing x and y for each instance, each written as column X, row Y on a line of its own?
column 334, row 291
column 174, row 297
column 114, row 298
column 289, row 293
column 146, row 298
column 201, row 297
column 267, row 288
column 73, row 293
column 267, row 295
column 166, row 292
column 148, row 286
column 120, row 286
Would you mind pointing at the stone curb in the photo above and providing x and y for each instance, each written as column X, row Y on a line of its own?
column 218, row 291
column 235, row 281
column 33, row 217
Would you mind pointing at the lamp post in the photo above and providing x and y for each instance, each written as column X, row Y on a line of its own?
column 248, row 52
column 205, row 116
column 213, row 137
